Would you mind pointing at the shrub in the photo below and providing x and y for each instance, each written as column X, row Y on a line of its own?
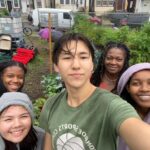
column 4, row 12
column 37, row 106
column 51, row 84
column 138, row 40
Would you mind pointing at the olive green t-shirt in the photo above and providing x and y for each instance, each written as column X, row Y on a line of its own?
column 91, row 126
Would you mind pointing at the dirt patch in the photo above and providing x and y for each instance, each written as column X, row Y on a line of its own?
column 38, row 67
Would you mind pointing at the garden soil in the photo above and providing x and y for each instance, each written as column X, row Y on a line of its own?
column 36, row 68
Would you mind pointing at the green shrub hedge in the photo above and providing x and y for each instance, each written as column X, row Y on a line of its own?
column 137, row 39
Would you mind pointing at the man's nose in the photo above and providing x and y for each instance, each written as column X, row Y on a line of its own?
column 75, row 62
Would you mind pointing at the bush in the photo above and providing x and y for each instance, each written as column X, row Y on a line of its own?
column 4, row 12
column 138, row 40
column 51, row 84
column 37, row 106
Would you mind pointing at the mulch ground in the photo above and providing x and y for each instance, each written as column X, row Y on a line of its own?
column 38, row 67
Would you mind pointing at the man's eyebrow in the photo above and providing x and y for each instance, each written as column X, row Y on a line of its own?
column 84, row 53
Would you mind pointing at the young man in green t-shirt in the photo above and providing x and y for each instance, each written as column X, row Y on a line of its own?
column 84, row 117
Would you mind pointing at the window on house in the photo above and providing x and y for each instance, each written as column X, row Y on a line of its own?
column 16, row 3
column 2, row 3
column 61, row 1
column 72, row 1
column 67, row 1
column 104, row 3
column 81, row 2
column 39, row 4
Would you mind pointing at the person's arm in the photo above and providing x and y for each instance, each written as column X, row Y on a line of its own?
column 48, row 142
column 136, row 134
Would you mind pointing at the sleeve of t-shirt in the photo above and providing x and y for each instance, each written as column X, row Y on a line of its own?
column 44, row 116
column 46, row 113
column 120, row 110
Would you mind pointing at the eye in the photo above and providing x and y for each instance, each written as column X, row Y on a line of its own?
column 10, row 75
column 8, row 120
column 135, row 83
column 119, row 59
column 25, row 116
column 109, row 58
column 20, row 77
column 84, row 57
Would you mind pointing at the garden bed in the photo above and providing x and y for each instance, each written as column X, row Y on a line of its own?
column 38, row 67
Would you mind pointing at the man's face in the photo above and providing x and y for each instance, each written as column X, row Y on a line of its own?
column 75, row 65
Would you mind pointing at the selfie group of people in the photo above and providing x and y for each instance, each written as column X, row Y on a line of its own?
column 101, row 108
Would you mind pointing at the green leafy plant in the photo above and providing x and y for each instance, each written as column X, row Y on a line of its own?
column 37, row 107
column 4, row 12
column 51, row 84
column 137, row 39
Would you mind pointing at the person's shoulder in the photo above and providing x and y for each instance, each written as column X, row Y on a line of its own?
column 105, row 97
column 39, row 130
column 2, row 144
column 106, row 94
column 40, row 136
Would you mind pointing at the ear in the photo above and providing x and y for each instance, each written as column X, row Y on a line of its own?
column 56, row 68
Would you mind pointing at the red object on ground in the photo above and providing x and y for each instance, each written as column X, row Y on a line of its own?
column 96, row 20
column 23, row 55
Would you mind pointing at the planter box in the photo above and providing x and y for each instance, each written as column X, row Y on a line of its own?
column 12, row 26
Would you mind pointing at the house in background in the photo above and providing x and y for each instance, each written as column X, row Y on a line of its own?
column 132, row 6
column 99, row 6
column 9, row 4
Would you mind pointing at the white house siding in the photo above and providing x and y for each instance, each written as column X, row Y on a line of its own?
column 145, row 6
column 24, row 4
column 81, row 3
column 142, row 6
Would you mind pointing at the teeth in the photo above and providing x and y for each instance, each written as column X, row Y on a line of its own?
column 16, row 132
column 145, row 98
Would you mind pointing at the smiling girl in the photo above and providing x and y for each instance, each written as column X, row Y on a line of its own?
column 134, row 86
column 12, row 76
column 16, row 124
